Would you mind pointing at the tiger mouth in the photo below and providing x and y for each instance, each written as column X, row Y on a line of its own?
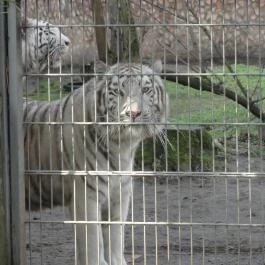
column 57, row 56
column 134, row 126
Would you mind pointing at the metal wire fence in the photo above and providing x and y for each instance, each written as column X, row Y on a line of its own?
column 195, row 192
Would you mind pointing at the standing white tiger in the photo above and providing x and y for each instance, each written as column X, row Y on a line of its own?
column 98, row 129
column 42, row 44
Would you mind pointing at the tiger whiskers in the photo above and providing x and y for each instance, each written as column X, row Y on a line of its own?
column 102, row 138
column 104, row 134
column 161, row 135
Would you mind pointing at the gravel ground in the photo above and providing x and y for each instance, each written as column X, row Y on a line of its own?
column 203, row 201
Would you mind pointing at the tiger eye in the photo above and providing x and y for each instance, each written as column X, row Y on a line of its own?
column 145, row 89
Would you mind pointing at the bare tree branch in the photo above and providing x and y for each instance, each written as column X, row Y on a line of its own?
column 229, row 67
column 205, row 83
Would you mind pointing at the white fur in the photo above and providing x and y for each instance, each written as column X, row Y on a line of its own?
column 43, row 45
column 131, row 89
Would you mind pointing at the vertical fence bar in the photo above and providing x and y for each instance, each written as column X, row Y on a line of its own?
column 16, row 161
column 4, row 192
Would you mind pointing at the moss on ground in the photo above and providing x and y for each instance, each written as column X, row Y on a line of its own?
column 189, row 149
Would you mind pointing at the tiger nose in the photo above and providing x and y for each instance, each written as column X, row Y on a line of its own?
column 67, row 42
column 133, row 114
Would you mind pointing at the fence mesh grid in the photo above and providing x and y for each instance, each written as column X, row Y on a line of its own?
column 196, row 191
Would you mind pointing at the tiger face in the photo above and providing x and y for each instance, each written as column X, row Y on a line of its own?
column 136, row 98
column 43, row 45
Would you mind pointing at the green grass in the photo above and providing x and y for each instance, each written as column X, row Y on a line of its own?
column 190, row 106
column 47, row 90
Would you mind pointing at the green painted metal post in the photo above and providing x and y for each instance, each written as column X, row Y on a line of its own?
column 5, row 256
column 12, row 240
column 16, row 151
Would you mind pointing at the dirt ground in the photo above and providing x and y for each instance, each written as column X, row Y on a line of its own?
column 204, row 201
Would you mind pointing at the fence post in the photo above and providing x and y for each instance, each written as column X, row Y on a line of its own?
column 5, row 249
column 12, row 240
column 16, row 151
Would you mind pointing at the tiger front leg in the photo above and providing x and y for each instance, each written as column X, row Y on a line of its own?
column 113, row 234
column 89, row 239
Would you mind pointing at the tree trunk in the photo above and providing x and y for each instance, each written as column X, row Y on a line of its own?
column 100, row 31
column 123, row 43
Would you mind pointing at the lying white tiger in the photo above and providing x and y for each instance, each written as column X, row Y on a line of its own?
column 133, row 101
column 42, row 44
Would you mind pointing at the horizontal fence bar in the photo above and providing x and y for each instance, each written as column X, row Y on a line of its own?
column 146, row 173
column 189, row 125
column 158, row 24
column 148, row 223
column 165, row 74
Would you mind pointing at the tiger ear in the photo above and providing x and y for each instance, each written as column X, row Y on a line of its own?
column 100, row 67
column 157, row 66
